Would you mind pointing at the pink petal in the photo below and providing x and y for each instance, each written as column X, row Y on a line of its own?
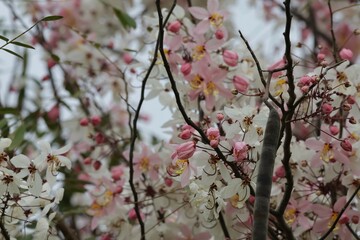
column 314, row 144
column 322, row 211
column 199, row 13
column 212, row 5
column 202, row 27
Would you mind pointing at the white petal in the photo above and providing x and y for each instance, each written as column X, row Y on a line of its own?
column 44, row 147
column 20, row 161
column 62, row 150
column 5, row 142
column 66, row 161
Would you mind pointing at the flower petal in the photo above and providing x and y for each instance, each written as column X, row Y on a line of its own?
column 199, row 13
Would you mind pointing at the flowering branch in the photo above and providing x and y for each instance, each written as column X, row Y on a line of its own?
column 333, row 225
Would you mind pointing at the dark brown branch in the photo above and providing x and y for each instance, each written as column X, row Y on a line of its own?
column 4, row 232
column 223, row 226
column 333, row 38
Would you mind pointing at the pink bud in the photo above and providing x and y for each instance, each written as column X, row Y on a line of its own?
column 230, row 58
column 280, row 172
column 305, row 80
column 186, row 68
column 219, row 34
column 346, row 54
column 185, row 134
column 320, row 57
column 355, row 219
column 132, row 214
column 241, row 84
column 346, row 145
column 127, row 58
column 97, row 165
column 95, row 120
column 84, row 122
column 54, row 113
column 168, row 181
column 99, row 138
column 334, row 130
column 117, row 172
column 304, row 89
column 174, row 26
column 344, row 219
column 184, row 150
column 327, row 108
column 220, row 117
column 87, row 161
column 351, row 100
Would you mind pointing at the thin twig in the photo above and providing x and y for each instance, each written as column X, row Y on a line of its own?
column 340, row 214
column 333, row 38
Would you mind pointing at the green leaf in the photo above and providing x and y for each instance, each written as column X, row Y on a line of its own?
column 51, row 18
column 22, row 44
column 11, row 52
column 124, row 18
column 3, row 123
column 4, row 38
column 8, row 110
column 56, row 58
column 18, row 137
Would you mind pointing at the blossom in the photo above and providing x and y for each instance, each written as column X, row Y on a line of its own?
column 346, row 54
column 240, row 151
column 52, row 160
column 184, row 150
column 327, row 150
column 146, row 162
column 28, row 169
column 210, row 17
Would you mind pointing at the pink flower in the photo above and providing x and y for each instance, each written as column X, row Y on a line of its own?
column 327, row 150
column 213, row 135
column 346, row 54
column 174, row 26
column 241, row 84
column 210, row 17
column 240, row 151
column 230, row 58
column 326, row 217
column 184, row 150
column 294, row 214
column 327, row 108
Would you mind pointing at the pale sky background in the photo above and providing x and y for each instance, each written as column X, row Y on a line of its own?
column 245, row 18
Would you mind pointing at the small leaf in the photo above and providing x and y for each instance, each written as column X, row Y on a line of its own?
column 22, row 44
column 125, row 19
column 4, row 38
column 51, row 18
column 11, row 52
column 56, row 58
column 8, row 110
column 18, row 137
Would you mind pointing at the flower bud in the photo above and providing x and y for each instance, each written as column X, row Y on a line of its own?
column 97, row 165
column 241, row 84
column 351, row 100
column 185, row 134
column 174, row 26
column 220, row 117
column 95, row 120
column 320, row 57
column 230, row 58
column 219, row 34
column 84, row 122
column 127, row 58
column 346, row 145
column 327, row 108
column 346, row 54
column 186, row 68
column 334, row 130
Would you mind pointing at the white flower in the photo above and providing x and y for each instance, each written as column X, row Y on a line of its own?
column 28, row 169
column 52, row 160
column 9, row 182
